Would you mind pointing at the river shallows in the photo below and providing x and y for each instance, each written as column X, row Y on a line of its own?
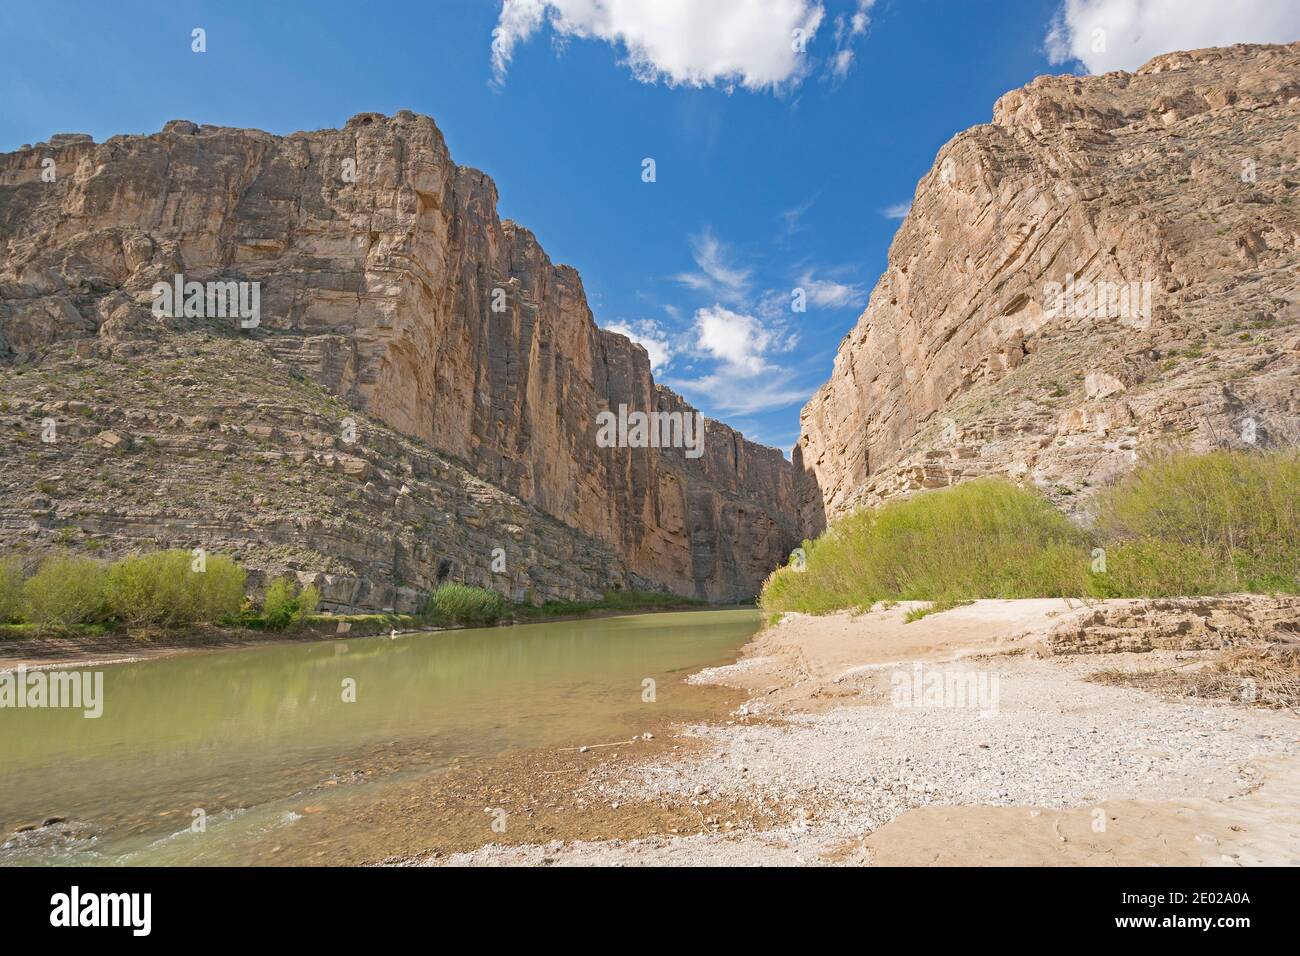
column 248, row 736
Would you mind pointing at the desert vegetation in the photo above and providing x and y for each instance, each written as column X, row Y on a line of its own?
column 65, row 593
column 1179, row 524
column 285, row 604
column 462, row 605
column 459, row 605
column 159, row 589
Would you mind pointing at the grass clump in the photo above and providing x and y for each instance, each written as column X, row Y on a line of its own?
column 463, row 605
column 916, row 613
column 982, row 539
column 172, row 588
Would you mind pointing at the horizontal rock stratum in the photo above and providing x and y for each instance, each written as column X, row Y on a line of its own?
column 391, row 294
column 1109, row 267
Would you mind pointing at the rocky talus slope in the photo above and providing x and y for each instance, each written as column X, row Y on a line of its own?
column 980, row 353
column 391, row 295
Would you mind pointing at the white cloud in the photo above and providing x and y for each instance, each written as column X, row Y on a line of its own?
column 860, row 20
column 717, row 276
column 731, row 394
column 518, row 21
column 830, row 294
column 653, row 336
column 848, row 29
column 738, row 340
column 1107, row 35
column 841, row 62
column 745, row 380
column 897, row 211
column 681, row 42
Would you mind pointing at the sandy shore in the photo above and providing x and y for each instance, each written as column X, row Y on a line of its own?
column 967, row 737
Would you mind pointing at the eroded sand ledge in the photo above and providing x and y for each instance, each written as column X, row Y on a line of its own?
column 1065, row 771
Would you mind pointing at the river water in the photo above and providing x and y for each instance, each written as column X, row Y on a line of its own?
column 214, row 757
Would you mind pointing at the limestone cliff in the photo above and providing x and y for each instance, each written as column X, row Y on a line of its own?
column 387, row 278
column 990, row 344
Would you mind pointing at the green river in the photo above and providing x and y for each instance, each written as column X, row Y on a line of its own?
column 256, row 737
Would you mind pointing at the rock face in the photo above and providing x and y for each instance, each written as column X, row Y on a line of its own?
column 1176, row 624
column 385, row 276
column 991, row 346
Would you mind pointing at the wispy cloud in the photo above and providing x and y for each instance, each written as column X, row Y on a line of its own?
column 792, row 218
column 718, row 276
column 730, row 394
column 897, row 211
column 518, row 20
column 848, row 28
column 828, row 293
column 734, row 357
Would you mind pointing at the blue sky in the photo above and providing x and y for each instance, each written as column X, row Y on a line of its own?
column 774, row 169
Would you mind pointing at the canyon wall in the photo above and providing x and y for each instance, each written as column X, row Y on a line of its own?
column 387, row 279
column 983, row 350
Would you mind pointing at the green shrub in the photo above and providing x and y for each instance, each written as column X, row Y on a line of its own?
column 165, row 589
column 1153, row 568
column 1223, row 521
column 308, row 601
column 65, row 591
column 981, row 539
column 11, row 590
column 285, row 603
column 462, row 604
column 280, row 605
column 1178, row 525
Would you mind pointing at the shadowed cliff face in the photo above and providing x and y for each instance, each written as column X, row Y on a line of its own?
column 386, row 276
column 991, row 346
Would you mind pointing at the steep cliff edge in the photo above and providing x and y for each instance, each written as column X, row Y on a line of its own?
column 1110, row 266
column 386, row 277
